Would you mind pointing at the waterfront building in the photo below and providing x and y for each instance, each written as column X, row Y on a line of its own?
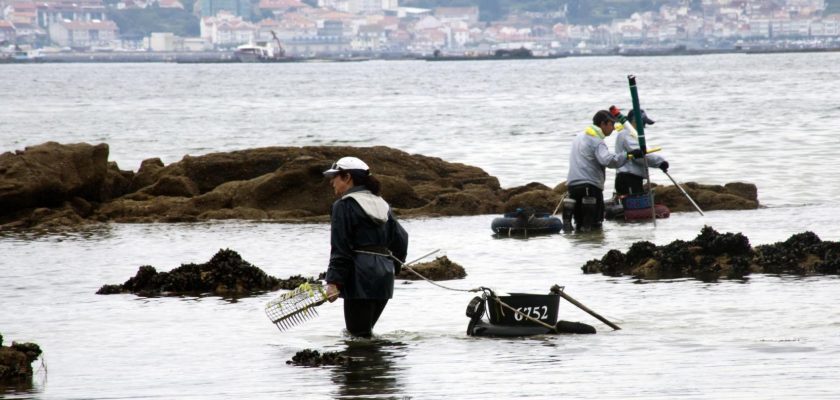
column 83, row 34
column 314, row 46
column 53, row 12
column 7, row 32
column 162, row 41
column 226, row 30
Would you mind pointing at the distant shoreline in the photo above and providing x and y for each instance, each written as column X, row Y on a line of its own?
column 229, row 58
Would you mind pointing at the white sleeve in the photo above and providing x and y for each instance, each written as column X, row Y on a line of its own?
column 608, row 159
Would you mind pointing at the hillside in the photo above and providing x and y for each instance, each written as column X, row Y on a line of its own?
column 139, row 23
column 832, row 7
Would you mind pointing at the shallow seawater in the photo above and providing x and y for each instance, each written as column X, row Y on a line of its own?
column 767, row 336
column 764, row 119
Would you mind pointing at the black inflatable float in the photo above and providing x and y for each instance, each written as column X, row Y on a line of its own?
column 503, row 322
column 523, row 222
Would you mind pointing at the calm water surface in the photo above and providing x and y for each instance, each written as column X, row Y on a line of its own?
column 761, row 119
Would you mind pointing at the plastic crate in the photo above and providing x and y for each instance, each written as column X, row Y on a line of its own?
column 543, row 307
column 637, row 202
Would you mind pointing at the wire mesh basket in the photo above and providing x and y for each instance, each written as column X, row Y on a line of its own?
column 296, row 306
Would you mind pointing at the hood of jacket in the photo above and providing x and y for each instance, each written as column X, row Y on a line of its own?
column 374, row 206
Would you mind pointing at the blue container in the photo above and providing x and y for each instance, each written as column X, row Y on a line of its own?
column 637, row 202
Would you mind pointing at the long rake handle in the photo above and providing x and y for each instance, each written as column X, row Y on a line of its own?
column 590, row 312
column 685, row 193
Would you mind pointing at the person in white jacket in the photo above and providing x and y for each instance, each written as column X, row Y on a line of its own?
column 630, row 177
column 588, row 161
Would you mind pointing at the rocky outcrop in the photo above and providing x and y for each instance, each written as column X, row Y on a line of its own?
column 16, row 361
column 801, row 254
column 439, row 269
column 732, row 196
column 226, row 274
column 57, row 185
column 712, row 256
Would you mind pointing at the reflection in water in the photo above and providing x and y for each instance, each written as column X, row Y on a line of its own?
column 18, row 389
column 371, row 370
column 596, row 236
column 59, row 234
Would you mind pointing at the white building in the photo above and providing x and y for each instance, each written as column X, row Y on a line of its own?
column 227, row 30
column 162, row 41
column 83, row 34
column 371, row 6
column 825, row 27
column 195, row 44
column 7, row 32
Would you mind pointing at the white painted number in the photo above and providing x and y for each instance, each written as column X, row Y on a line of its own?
column 533, row 312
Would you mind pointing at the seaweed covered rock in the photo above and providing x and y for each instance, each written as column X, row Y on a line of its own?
column 16, row 361
column 708, row 257
column 313, row 358
column 439, row 269
column 712, row 255
column 801, row 254
column 226, row 274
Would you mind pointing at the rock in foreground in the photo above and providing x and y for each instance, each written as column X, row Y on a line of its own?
column 312, row 358
column 226, row 274
column 16, row 361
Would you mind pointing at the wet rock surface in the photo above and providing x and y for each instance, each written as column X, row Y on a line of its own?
column 802, row 254
column 712, row 256
column 732, row 196
column 313, row 358
column 226, row 274
column 66, row 185
column 16, row 361
column 439, row 269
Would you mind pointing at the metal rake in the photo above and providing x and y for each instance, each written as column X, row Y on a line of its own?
column 296, row 306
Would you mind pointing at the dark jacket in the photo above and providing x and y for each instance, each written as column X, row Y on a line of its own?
column 364, row 223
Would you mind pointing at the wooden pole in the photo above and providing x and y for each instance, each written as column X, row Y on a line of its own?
column 685, row 193
column 590, row 312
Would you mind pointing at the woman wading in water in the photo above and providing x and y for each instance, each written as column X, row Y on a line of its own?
column 364, row 237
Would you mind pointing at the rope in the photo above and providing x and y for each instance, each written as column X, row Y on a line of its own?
column 487, row 291
column 406, row 266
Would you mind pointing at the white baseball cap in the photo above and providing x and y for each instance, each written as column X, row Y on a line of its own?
column 344, row 164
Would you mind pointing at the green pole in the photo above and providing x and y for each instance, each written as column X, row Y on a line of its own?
column 640, row 129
